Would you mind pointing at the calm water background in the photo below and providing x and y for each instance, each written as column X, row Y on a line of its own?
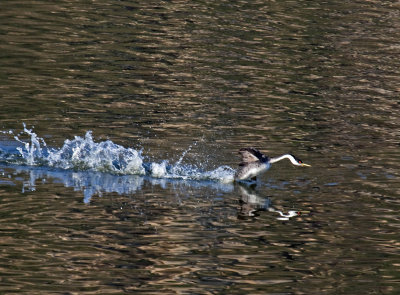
column 317, row 79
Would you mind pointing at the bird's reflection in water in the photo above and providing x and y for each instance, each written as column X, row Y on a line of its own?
column 251, row 203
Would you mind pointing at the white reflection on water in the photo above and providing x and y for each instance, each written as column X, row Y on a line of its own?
column 96, row 183
column 251, row 203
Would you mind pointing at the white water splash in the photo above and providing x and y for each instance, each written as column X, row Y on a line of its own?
column 32, row 148
column 159, row 170
column 84, row 154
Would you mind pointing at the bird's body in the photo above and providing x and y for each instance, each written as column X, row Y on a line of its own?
column 251, row 170
column 254, row 163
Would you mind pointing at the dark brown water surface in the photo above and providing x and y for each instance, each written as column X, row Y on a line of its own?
column 319, row 79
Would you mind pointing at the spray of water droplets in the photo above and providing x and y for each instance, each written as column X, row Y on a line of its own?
column 85, row 154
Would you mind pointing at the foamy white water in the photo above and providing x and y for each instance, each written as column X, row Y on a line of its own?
column 85, row 154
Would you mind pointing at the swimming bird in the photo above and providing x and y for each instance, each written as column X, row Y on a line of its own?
column 254, row 163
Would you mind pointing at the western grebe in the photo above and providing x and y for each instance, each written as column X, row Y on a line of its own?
column 254, row 163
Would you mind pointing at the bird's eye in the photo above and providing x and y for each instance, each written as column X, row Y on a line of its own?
column 300, row 162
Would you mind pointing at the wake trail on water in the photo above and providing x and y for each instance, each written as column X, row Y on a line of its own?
column 85, row 154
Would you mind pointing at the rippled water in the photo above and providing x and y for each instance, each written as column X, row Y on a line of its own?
column 120, row 123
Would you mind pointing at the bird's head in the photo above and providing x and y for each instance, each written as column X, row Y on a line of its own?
column 299, row 162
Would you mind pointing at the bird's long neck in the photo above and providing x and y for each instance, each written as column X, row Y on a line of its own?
column 285, row 156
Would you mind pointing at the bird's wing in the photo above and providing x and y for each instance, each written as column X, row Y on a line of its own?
column 250, row 155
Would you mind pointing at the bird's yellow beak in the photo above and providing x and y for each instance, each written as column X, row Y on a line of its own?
column 305, row 165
